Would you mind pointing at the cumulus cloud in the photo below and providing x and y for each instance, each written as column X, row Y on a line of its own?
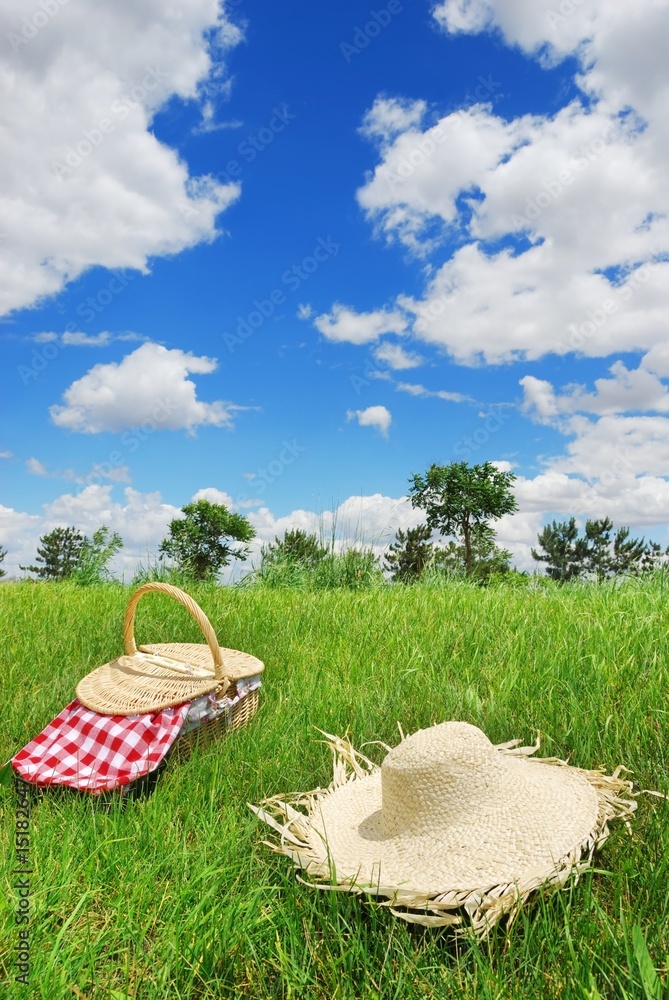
column 149, row 385
column 390, row 116
column 85, row 181
column 575, row 197
column 378, row 417
column 142, row 519
column 345, row 325
column 622, row 436
column 214, row 495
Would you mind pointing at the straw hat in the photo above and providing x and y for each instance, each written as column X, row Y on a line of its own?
column 449, row 822
column 158, row 675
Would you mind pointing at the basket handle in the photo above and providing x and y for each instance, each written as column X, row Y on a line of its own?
column 191, row 606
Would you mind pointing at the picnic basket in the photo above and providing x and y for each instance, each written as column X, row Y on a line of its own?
column 153, row 676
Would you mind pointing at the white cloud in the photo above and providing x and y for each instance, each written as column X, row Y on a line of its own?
column 77, row 338
column 304, row 311
column 84, row 180
column 36, row 468
column 149, row 385
column 5, row 454
column 623, row 437
column 96, row 475
column 389, row 116
column 142, row 519
column 214, row 495
column 415, row 389
column 378, row 417
column 396, row 357
column 577, row 196
column 345, row 325
column 87, row 340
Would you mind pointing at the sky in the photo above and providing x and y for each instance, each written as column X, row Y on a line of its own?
column 283, row 256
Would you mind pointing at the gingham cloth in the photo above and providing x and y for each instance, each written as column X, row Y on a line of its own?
column 95, row 753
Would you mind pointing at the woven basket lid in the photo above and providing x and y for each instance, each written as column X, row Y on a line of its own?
column 155, row 676
column 448, row 821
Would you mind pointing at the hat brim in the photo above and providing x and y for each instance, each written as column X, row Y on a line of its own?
column 542, row 829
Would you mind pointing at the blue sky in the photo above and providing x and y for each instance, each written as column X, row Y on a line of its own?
column 283, row 257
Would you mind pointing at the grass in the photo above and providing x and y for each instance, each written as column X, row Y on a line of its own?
column 176, row 896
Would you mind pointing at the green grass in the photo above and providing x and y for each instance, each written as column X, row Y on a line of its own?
column 176, row 895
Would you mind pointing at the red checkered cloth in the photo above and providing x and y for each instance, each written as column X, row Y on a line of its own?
column 96, row 753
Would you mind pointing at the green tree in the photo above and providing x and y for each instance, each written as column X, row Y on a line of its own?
column 3, row 553
column 199, row 542
column 458, row 497
column 296, row 546
column 410, row 554
column 597, row 553
column 560, row 550
column 488, row 559
column 95, row 556
column 58, row 554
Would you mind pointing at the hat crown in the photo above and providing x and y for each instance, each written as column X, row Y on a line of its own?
column 438, row 776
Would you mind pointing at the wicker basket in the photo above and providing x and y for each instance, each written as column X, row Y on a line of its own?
column 158, row 675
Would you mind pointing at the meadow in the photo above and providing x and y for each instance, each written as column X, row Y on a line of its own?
column 174, row 895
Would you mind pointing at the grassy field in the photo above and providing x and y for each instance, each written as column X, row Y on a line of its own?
column 176, row 896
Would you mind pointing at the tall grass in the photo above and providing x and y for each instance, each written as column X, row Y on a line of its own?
column 175, row 895
column 352, row 569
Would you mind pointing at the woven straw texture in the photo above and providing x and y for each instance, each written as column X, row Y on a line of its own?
column 158, row 675
column 449, row 823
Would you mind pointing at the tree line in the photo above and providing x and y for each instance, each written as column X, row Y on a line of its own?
column 457, row 538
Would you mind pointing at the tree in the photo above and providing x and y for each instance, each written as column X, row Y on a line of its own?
column 296, row 546
column 458, row 497
column 3, row 553
column 560, row 549
column 96, row 554
column 199, row 541
column 57, row 554
column 410, row 554
column 488, row 559
column 597, row 553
